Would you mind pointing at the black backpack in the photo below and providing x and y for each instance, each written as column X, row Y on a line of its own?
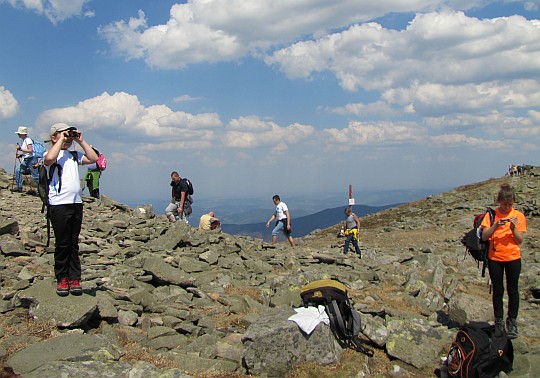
column 43, row 188
column 189, row 186
column 345, row 321
column 479, row 350
column 473, row 242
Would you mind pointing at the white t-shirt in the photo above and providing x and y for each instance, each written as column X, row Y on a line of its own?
column 27, row 142
column 280, row 211
column 70, row 192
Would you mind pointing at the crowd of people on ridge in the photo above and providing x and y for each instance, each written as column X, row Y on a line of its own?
column 516, row 170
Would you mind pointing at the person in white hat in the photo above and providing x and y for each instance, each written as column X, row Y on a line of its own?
column 65, row 203
column 26, row 152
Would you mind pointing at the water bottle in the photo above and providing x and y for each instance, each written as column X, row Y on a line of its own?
column 444, row 367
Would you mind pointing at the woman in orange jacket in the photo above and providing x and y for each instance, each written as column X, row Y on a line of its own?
column 505, row 237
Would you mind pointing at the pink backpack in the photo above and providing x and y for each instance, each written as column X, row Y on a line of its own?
column 101, row 162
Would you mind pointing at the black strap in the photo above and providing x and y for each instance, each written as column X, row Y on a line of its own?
column 491, row 213
column 334, row 309
column 343, row 334
column 48, row 227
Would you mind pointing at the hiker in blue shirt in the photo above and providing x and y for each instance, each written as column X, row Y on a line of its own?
column 29, row 161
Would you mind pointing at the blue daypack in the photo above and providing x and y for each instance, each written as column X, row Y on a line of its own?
column 38, row 149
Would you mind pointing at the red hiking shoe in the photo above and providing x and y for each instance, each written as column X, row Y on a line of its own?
column 62, row 289
column 75, row 287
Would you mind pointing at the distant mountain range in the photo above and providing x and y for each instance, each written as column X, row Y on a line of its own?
column 303, row 225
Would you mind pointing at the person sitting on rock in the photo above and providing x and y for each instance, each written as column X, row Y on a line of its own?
column 209, row 222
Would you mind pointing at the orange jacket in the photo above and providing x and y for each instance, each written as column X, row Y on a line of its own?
column 502, row 245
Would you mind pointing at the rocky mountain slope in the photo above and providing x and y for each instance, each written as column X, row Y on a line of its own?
column 164, row 298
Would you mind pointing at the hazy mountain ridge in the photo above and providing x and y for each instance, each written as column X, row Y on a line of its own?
column 253, row 210
column 303, row 225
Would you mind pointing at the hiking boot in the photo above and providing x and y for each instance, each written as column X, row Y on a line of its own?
column 75, row 287
column 62, row 289
column 16, row 190
column 512, row 329
column 499, row 326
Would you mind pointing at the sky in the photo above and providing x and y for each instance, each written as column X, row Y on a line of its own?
column 256, row 97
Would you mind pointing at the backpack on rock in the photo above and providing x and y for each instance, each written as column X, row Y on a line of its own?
column 479, row 350
column 345, row 321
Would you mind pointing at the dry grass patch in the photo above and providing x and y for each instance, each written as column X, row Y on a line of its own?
column 27, row 327
column 251, row 292
column 223, row 319
column 388, row 296
column 217, row 374
column 135, row 352
column 350, row 365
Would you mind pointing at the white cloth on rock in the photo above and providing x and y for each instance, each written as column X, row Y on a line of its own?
column 308, row 318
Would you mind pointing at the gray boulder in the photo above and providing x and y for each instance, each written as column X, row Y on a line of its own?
column 91, row 369
column 65, row 312
column 9, row 226
column 273, row 345
column 416, row 342
column 463, row 308
column 71, row 347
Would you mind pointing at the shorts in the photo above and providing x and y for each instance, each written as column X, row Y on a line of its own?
column 281, row 225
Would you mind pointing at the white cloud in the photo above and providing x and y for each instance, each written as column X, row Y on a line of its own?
column 8, row 104
column 55, row 10
column 442, row 47
column 251, row 132
column 123, row 113
column 436, row 98
column 359, row 109
column 530, row 6
column 452, row 140
column 377, row 133
column 184, row 98
column 226, row 30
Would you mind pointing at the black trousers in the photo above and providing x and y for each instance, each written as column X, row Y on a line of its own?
column 66, row 221
column 497, row 270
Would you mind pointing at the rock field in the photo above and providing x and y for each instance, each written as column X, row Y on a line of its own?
column 162, row 299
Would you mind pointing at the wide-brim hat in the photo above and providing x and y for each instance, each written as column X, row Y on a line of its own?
column 22, row 130
column 60, row 126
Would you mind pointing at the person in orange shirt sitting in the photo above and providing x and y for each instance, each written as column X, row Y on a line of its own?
column 504, row 257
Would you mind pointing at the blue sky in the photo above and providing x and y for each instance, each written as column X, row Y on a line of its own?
column 257, row 97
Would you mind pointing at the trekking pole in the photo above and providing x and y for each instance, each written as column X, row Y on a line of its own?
column 14, row 167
